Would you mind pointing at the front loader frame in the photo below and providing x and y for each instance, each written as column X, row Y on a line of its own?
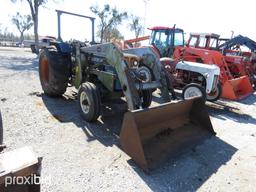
column 60, row 12
column 110, row 55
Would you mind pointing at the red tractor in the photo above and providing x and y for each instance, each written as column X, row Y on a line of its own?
column 165, row 41
column 239, row 62
column 242, row 62
column 203, row 48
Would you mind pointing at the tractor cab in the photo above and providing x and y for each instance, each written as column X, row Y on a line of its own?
column 204, row 40
column 165, row 39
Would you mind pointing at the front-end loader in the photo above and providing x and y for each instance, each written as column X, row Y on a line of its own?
column 100, row 71
column 204, row 48
column 241, row 62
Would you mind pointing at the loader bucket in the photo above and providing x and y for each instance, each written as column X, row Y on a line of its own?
column 149, row 136
column 237, row 88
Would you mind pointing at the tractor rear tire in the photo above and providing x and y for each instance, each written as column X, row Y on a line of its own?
column 215, row 95
column 89, row 102
column 54, row 70
column 193, row 90
column 146, row 96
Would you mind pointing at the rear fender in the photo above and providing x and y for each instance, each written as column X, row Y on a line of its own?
column 62, row 47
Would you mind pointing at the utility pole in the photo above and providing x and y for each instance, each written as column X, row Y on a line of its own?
column 232, row 34
column 145, row 15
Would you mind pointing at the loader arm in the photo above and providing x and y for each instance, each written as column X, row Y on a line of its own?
column 241, row 40
column 151, row 60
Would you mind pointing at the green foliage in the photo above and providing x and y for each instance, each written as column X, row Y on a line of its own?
column 22, row 22
column 110, row 18
column 33, row 2
column 112, row 34
column 8, row 36
column 136, row 26
column 5, row 35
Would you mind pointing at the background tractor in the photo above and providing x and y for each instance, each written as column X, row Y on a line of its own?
column 240, row 61
column 204, row 48
column 182, row 74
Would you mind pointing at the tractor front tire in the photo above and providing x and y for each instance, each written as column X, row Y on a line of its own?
column 193, row 90
column 146, row 96
column 215, row 95
column 89, row 102
column 54, row 69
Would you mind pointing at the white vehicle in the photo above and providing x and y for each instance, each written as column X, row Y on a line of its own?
column 210, row 74
column 195, row 79
column 43, row 42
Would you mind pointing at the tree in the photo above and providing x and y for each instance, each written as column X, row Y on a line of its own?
column 112, row 34
column 136, row 26
column 34, row 8
column 110, row 18
column 23, row 23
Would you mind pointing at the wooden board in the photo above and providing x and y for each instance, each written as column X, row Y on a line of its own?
column 19, row 162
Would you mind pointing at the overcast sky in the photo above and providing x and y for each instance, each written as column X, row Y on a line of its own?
column 217, row 16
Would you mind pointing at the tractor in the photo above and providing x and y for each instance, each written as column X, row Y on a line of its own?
column 203, row 47
column 189, row 76
column 103, row 72
column 241, row 62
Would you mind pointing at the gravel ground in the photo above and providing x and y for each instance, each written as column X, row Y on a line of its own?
column 78, row 156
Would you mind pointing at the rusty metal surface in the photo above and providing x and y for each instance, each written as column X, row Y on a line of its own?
column 149, row 136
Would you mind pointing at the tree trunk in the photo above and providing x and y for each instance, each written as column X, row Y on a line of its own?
column 34, row 12
column 36, row 32
column 21, row 37
column 101, row 35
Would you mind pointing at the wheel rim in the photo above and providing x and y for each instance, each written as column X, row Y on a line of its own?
column 45, row 70
column 192, row 92
column 145, row 72
column 84, row 102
